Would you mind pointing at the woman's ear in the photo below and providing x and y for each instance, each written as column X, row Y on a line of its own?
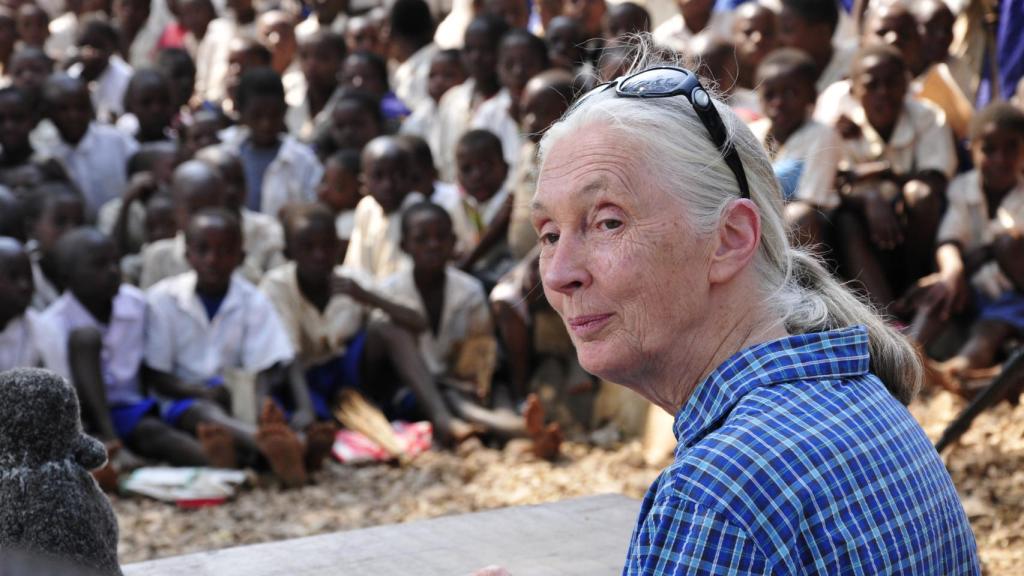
column 736, row 241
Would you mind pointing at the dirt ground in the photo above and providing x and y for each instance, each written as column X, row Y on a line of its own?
column 987, row 467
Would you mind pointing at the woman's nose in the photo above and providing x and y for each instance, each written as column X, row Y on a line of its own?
column 565, row 271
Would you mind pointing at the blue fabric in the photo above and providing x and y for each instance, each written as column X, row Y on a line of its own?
column 127, row 417
column 255, row 161
column 175, row 409
column 392, row 108
column 788, row 173
column 794, row 459
column 1009, row 55
column 211, row 304
column 1008, row 308
column 326, row 380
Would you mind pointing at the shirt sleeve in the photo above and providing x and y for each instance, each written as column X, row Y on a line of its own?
column 158, row 350
column 817, row 185
column 681, row 537
column 266, row 340
column 934, row 149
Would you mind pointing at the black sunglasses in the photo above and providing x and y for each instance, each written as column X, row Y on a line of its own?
column 667, row 81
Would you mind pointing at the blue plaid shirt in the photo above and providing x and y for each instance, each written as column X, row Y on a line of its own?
column 794, row 459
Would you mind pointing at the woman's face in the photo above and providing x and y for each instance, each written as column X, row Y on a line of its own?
column 619, row 260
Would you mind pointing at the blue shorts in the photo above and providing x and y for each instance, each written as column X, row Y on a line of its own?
column 172, row 410
column 126, row 417
column 1008, row 309
column 326, row 380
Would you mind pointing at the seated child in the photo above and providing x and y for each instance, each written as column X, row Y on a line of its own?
column 376, row 235
column 23, row 335
column 149, row 170
column 28, row 69
column 980, row 245
column 199, row 131
column 18, row 165
column 446, row 71
column 626, row 18
column 753, row 34
column 245, row 53
column 717, row 58
column 482, row 173
column 804, row 152
column 898, row 155
column 100, row 67
column 693, row 18
column 205, row 323
column 319, row 55
column 355, row 119
column 810, row 25
column 565, row 39
column 148, row 107
column 339, row 192
column 368, row 72
column 99, row 324
column 33, row 25
column 946, row 80
column 363, row 34
column 278, row 168
column 53, row 209
column 426, row 178
column 180, row 70
column 95, row 155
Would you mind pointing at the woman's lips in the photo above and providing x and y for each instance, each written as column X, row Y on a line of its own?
column 587, row 326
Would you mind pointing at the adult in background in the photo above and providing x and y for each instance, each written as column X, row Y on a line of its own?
column 664, row 250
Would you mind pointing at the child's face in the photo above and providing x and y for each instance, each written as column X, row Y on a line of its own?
column 563, row 40
column 96, row 277
column 339, row 188
column 795, row 32
column 160, row 222
column 517, row 63
column 786, row 99
column 214, row 251
column 363, row 35
column 16, row 123
column 202, row 133
column 352, row 127
column 444, row 74
column 481, row 171
column 61, row 214
column 30, row 73
column 319, row 64
column 513, row 12
column 33, row 27
column 131, row 14
column 264, row 116
column 16, row 284
column 898, row 29
column 315, row 248
column 94, row 51
column 880, row 85
column 358, row 73
column 196, row 16
column 936, row 33
column 753, row 34
column 387, row 177
column 151, row 104
column 71, row 111
column 480, row 54
column 429, row 240
column 541, row 108
column 999, row 155
column 621, row 22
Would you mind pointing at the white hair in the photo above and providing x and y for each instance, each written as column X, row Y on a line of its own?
column 667, row 135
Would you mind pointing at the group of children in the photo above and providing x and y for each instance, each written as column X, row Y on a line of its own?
column 212, row 225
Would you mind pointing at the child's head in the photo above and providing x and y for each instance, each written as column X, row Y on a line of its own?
column 589, row 13
column 160, row 219
column 277, row 31
column 626, row 18
column 33, row 25
column 410, row 23
column 753, row 34
column 446, row 71
column 427, row 236
column 339, row 189
column 695, row 10
column 8, row 31
column 245, row 52
column 96, row 41
column 786, row 85
column 362, row 34
column 148, row 97
column 521, row 56
column 935, row 23
column 213, row 248
column 51, row 211
column 88, row 264
column 320, row 56
column 879, row 82
column 195, row 186
column 423, row 163
column 231, row 171
column 564, row 37
column 195, row 16
column 547, row 96
column 131, row 14
column 480, row 50
column 894, row 25
column 177, row 66
column 808, row 25
column 200, row 131
column 480, row 163
column 261, row 105
column 717, row 57
column 355, row 120
column 68, row 106
column 387, row 172
column 157, row 158
column 310, row 240
column 16, row 284
column 16, row 122
column 367, row 72
column 29, row 69
column 327, row 10
column 997, row 145
column 515, row 13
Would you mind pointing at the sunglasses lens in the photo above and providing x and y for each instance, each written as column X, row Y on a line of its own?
column 655, row 82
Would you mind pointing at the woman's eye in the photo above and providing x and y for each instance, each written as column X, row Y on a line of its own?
column 549, row 238
column 610, row 224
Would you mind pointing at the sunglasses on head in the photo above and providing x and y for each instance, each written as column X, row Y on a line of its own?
column 667, row 81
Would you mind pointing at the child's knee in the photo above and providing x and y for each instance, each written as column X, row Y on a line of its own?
column 922, row 197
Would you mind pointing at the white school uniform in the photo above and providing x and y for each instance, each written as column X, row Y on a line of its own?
column 817, row 148
column 454, row 117
column 123, row 337
column 374, row 247
column 27, row 342
column 465, row 315
column 967, row 223
column 246, row 332
column 212, row 56
column 44, row 292
column 410, row 78
column 493, row 116
column 292, row 176
column 471, row 217
column 674, row 34
column 838, row 67
column 316, row 336
column 108, row 90
column 422, row 122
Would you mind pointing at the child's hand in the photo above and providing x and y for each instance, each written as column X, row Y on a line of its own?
column 883, row 225
column 349, row 287
column 141, row 187
column 943, row 293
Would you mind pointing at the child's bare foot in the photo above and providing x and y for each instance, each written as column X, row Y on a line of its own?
column 548, row 444
column 218, row 445
column 106, row 476
column 533, row 416
column 271, row 413
column 319, row 442
column 455, row 431
column 282, row 448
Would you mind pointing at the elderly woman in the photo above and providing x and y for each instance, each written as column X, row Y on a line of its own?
column 665, row 252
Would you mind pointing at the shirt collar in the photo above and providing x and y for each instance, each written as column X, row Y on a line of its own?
column 819, row 355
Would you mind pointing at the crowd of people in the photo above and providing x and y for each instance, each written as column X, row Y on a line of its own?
column 294, row 199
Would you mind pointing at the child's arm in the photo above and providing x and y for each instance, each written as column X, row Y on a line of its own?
column 141, row 187
column 492, row 236
column 168, row 385
column 403, row 316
